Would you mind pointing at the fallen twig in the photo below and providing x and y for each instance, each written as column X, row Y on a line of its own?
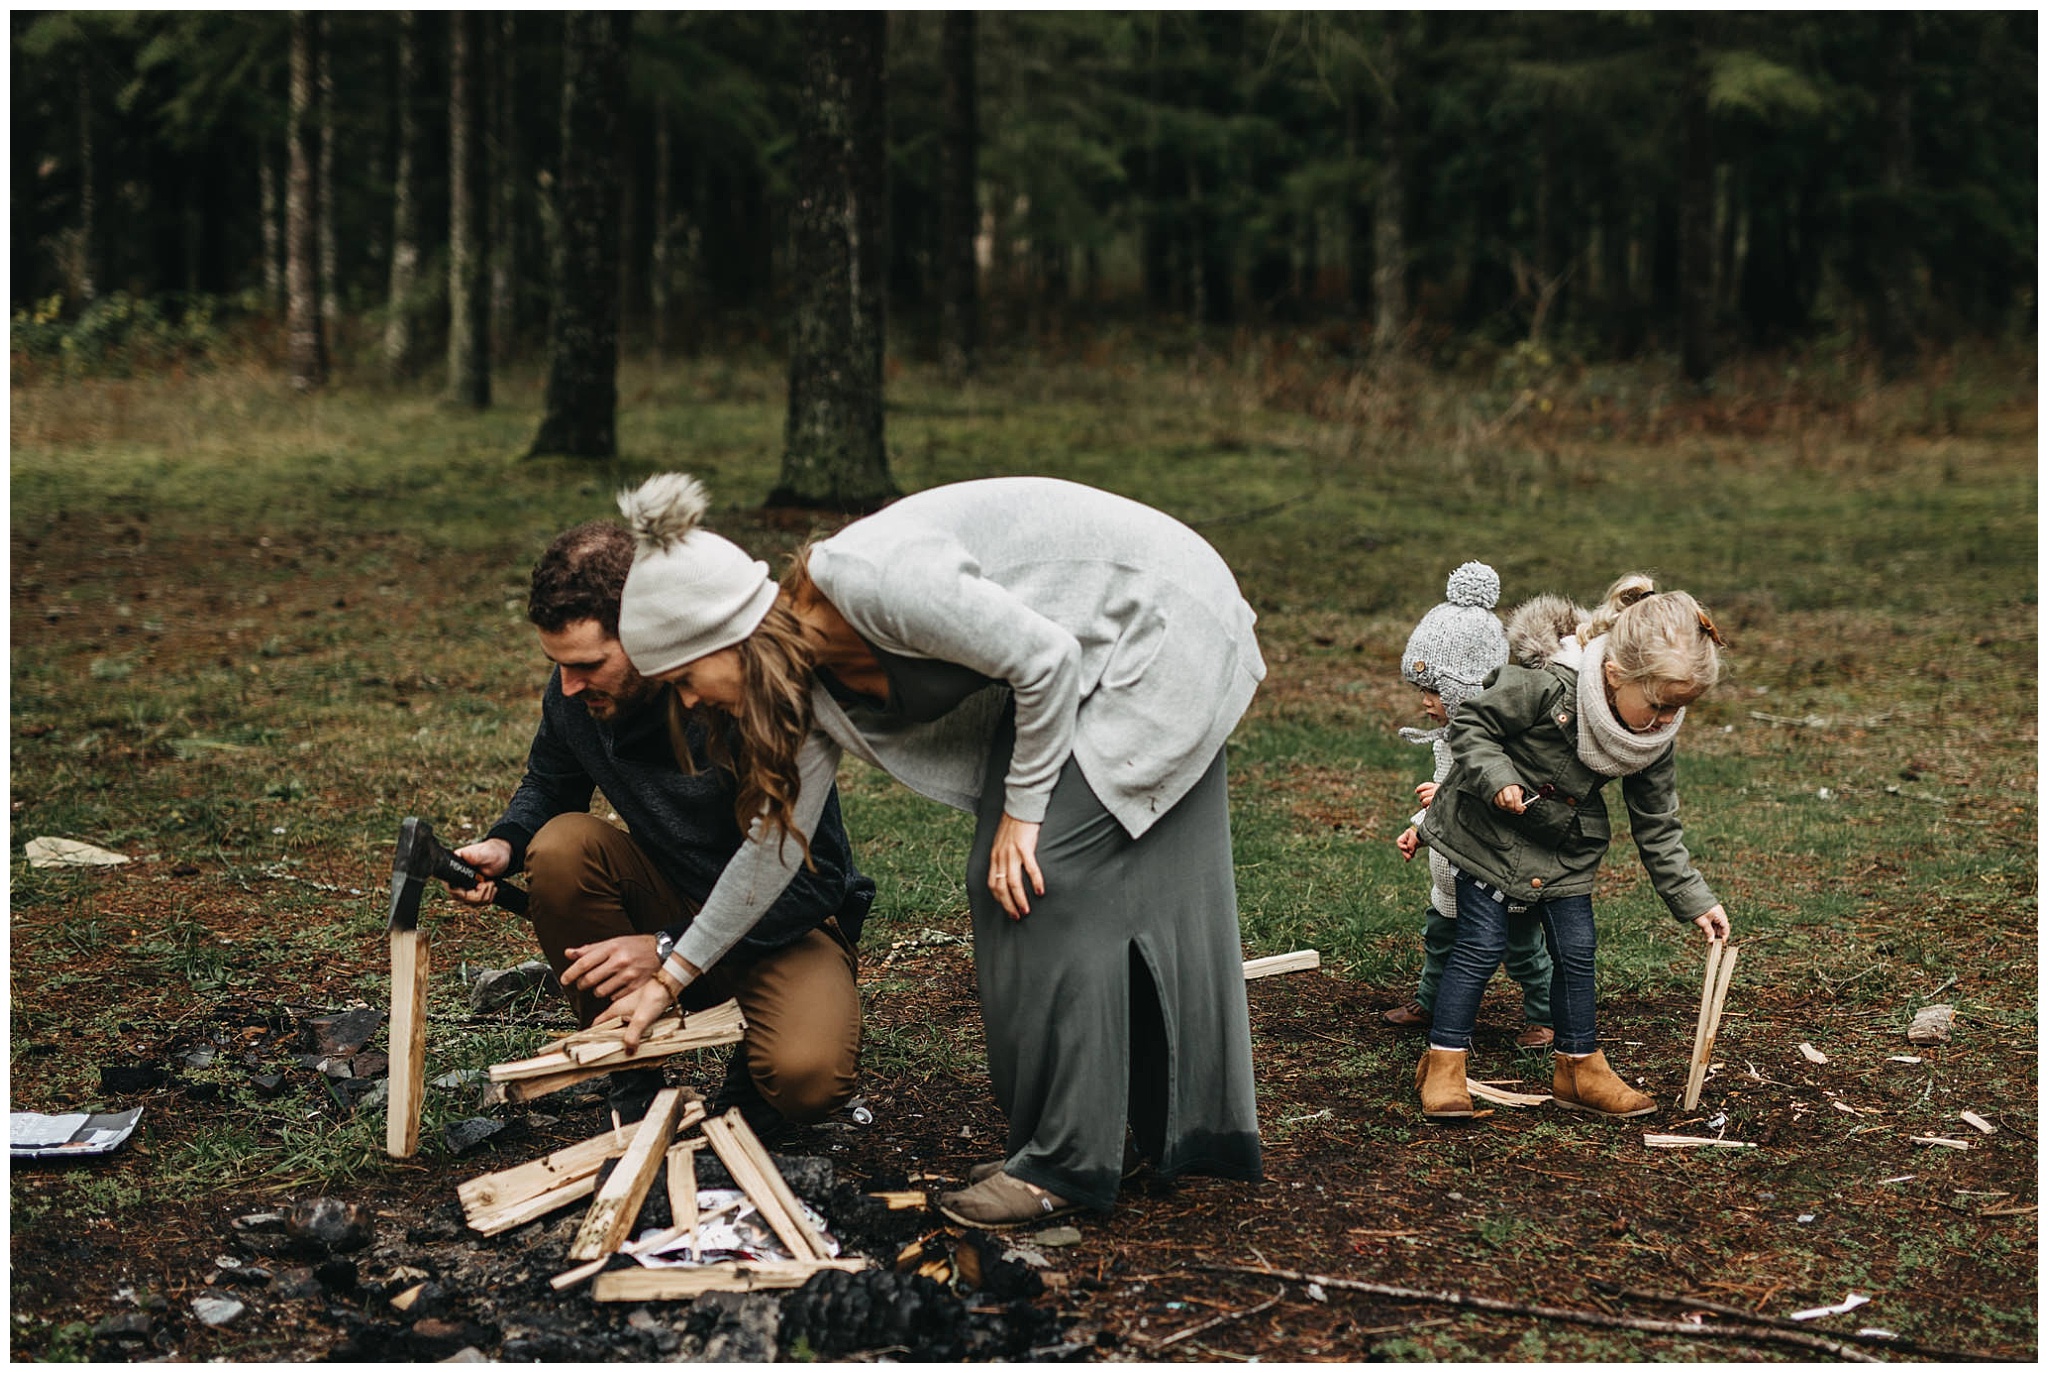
column 1749, row 1334
column 1226, row 1317
column 1903, row 1346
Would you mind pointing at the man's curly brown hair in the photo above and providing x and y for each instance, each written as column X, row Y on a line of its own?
column 581, row 577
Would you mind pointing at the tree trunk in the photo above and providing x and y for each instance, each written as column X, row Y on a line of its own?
column 959, row 212
column 507, row 169
column 1389, row 241
column 330, row 293
column 583, row 323
column 306, row 344
column 1895, row 328
column 273, row 241
column 1696, row 215
column 833, row 455
column 661, row 262
column 85, row 284
column 469, row 350
column 405, row 238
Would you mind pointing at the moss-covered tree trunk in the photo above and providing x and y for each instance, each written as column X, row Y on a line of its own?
column 1390, row 203
column 469, row 344
column 959, row 208
column 323, row 199
column 833, row 454
column 506, row 174
column 405, row 231
column 1897, row 333
column 583, row 321
column 305, row 341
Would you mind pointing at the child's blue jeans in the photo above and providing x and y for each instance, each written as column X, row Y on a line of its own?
column 1527, row 962
column 1484, row 922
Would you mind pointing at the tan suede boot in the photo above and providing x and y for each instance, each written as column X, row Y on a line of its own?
column 1440, row 1080
column 1588, row 1084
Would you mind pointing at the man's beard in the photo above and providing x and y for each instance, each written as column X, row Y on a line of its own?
column 635, row 691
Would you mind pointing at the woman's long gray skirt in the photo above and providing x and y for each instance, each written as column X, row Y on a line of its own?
column 1120, row 997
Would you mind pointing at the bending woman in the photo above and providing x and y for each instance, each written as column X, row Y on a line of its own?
column 1065, row 664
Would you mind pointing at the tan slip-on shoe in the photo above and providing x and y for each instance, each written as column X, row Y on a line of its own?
column 1534, row 1036
column 1000, row 1201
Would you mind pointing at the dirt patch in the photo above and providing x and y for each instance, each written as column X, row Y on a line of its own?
column 1531, row 1205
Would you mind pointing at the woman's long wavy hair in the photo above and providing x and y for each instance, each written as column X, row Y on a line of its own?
column 774, row 718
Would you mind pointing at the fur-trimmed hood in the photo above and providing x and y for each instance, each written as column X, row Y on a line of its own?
column 1536, row 626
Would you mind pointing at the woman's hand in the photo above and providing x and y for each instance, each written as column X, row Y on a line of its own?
column 640, row 1009
column 611, row 968
column 490, row 858
column 1011, row 859
column 1425, row 792
column 1408, row 843
column 1509, row 798
column 1714, row 922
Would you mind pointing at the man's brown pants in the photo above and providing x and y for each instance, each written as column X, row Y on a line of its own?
column 589, row 881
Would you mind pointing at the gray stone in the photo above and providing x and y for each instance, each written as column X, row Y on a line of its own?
column 259, row 1221
column 464, row 1135
column 134, row 1325
column 266, row 1085
column 216, row 1310
column 469, row 1353
column 297, row 1284
column 343, row 1032
column 201, row 1057
column 495, row 987
column 329, row 1221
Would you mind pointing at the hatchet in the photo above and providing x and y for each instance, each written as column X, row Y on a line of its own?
column 419, row 859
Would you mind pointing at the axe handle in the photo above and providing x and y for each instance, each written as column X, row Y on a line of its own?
column 457, row 873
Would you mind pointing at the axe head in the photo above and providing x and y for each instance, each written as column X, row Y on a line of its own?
column 411, row 866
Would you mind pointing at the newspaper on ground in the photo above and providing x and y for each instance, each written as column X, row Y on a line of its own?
column 31, row 1134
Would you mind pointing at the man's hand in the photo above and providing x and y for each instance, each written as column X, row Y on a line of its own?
column 638, row 1010
column 1714, row 922
column 490, row 858
column 1012, row 858
column 611, row 968
column 1408, row 843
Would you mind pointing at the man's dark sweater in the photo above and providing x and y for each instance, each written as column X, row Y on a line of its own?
column 683, row 822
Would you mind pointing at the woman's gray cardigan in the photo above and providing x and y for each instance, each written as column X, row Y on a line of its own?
column 1119, row 631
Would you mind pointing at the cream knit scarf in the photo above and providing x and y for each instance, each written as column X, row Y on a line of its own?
column 1606, row 745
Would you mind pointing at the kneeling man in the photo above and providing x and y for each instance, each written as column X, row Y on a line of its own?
column 606, row 903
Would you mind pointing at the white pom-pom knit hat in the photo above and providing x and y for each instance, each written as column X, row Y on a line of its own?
column 690, row 592
column 1459, row 642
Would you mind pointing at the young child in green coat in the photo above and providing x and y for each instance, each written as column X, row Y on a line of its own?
column 1452, row 651
column 1523, row 823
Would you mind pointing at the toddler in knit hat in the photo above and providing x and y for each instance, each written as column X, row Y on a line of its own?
column 1452, row 652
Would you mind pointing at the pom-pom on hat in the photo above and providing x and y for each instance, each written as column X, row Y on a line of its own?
column 690, row 592
column 1459, row 642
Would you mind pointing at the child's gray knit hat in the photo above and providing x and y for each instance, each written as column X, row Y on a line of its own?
column 1459, row 642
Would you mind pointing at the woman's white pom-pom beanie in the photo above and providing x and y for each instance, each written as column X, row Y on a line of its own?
column 1459, row 642
column 690, row 592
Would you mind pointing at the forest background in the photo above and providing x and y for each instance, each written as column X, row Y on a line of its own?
column 324, row 323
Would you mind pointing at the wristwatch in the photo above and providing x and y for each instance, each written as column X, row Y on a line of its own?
column 664, row 945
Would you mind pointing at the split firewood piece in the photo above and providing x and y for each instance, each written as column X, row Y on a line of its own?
column 618, row 1201
column 408, row 1022
column 1940, row 1142
column 682, row 1186
column 900, row 1201
column 501, row 1201
column 1723, row 970
column 739, row 1149
column 1693, row 1142
column 1301, row 960
column 1978, row 1123
column 1931, row 1024
column 1693, row 1070
column 687, row 1284
column 722, row 1024
column 608, row 1034
column 1502, row 1096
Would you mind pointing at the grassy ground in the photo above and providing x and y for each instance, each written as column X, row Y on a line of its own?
column 251, row 632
